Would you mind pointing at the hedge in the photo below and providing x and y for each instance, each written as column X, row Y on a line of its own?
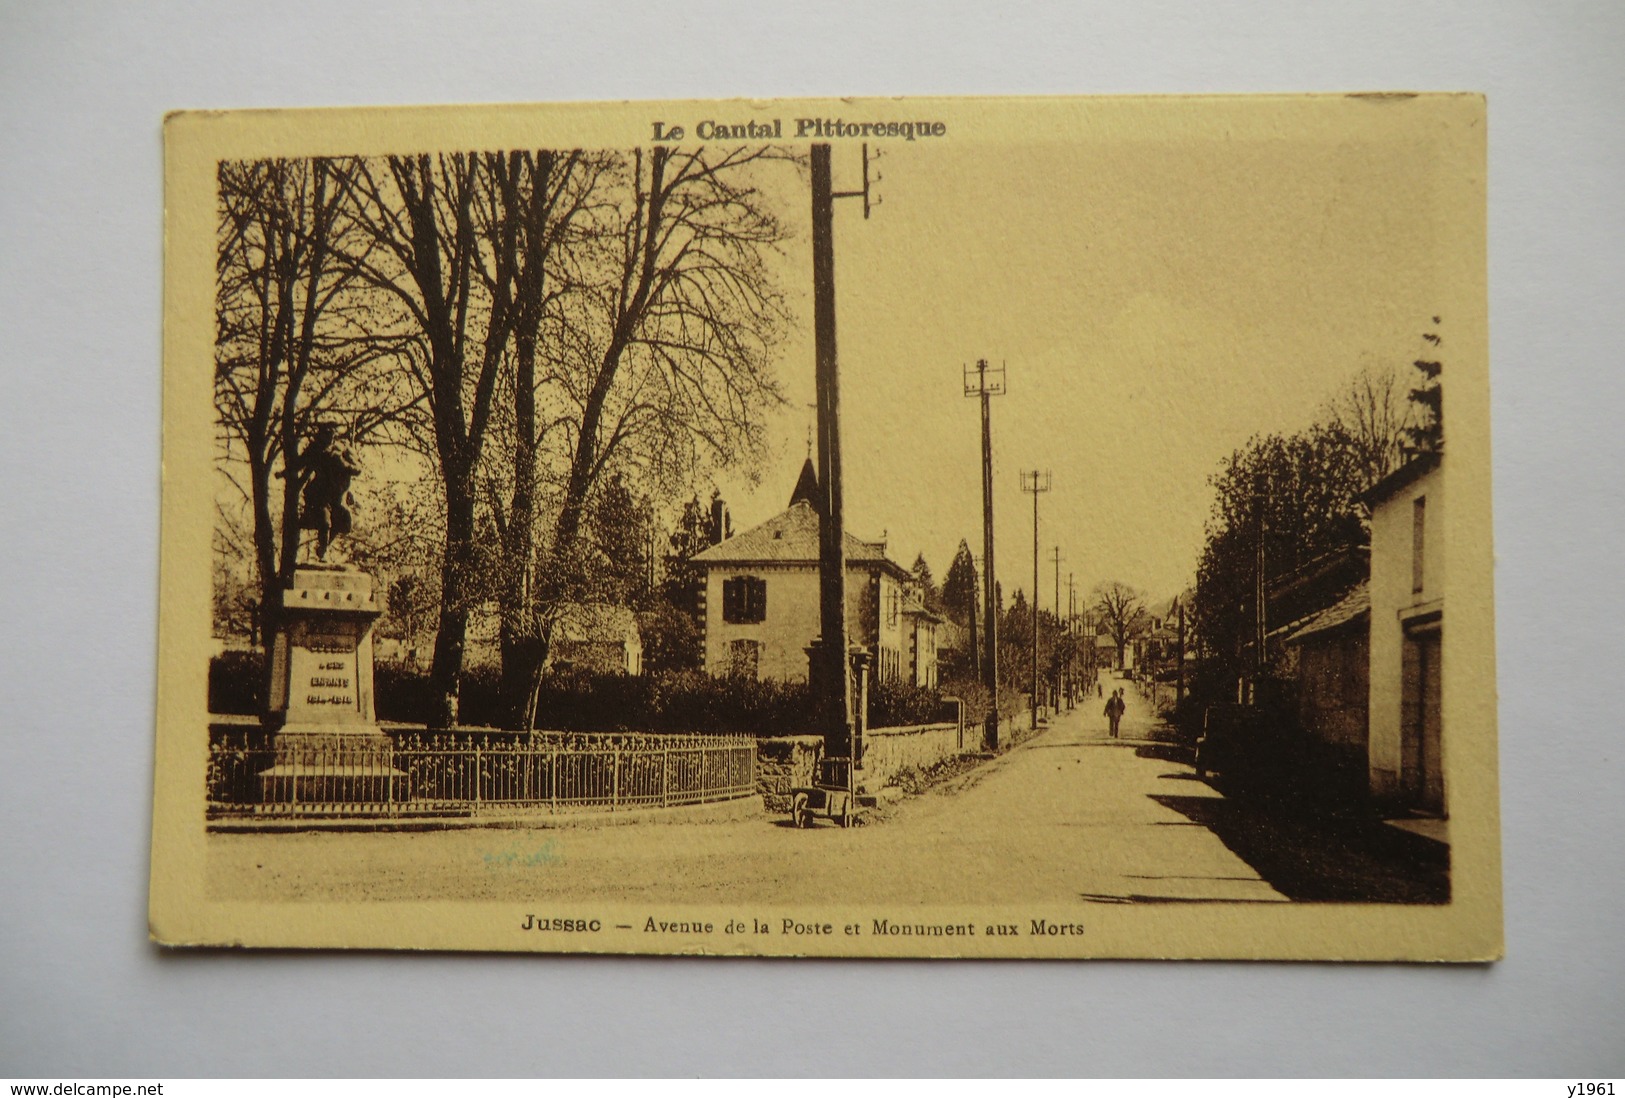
column 578, row 701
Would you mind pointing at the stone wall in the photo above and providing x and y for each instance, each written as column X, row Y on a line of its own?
column 889, row 751
column 782, row 763
column 785, row 762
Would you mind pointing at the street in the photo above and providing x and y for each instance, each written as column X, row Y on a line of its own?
column 1068, row 815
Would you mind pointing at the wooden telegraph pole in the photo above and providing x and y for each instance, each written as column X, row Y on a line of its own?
column 1179, row 679
column 832, row 682
column 984, row 381
column 1072, row 642
column 1037, row 483
column 1260, row 588
column 1055, row 651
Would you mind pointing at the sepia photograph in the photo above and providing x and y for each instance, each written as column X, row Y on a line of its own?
column 894, row 528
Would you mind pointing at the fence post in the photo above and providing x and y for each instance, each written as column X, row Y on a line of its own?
column 477, row 770
column 615, row 780
column 665, row 774
column 553, row 777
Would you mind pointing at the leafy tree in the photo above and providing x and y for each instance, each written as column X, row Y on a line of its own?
column 1016, row 642
column 960, row 590
column 691, row 534
column 409, row 608
column 620, row 531
column 672, row 639
column 1427, row 435
column 236, row 600
column 1297, row 493
column 926, row 584
column 692, row 531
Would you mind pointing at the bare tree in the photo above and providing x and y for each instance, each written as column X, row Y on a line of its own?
column 1373, row 414
column 294, row 340
column 545, row 193
column 456, row 285
column 1121, row 609
column 661, row 353
column 578, row 313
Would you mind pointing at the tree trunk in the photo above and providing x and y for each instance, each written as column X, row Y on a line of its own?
column 523, row 658
column 265, row 553
column 446, row 672
column 521, row 663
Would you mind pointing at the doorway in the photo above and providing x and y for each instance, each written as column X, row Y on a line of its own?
column 1422, row 762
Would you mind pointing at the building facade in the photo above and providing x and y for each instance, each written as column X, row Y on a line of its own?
column 759, row 601
column 1407, row 742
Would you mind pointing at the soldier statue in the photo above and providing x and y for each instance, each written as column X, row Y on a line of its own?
column 325, row 470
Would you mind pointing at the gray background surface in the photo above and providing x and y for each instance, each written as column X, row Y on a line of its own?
column 83, row 87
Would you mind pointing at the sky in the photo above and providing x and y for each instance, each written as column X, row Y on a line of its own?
column 1161, row 283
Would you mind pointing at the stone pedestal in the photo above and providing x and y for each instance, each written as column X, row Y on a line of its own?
column 329, row 748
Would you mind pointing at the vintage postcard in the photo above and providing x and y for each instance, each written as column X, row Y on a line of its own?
column 876, row 528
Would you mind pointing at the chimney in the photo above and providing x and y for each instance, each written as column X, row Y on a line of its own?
column 721, row 526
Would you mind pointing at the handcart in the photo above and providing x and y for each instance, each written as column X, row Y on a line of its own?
column 831, row 795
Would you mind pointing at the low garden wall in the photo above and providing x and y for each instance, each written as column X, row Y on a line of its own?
column 785, row 762
column 889, row 751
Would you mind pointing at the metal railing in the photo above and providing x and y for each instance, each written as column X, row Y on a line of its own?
column 476, row 775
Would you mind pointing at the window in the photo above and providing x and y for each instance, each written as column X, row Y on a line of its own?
column 1418, row 541
column 744, row 659
column 744, row 600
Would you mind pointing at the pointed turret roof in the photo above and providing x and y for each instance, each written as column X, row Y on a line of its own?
column 791, row 537
column 807, row 489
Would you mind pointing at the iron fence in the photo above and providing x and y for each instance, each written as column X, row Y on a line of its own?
column 476, row 776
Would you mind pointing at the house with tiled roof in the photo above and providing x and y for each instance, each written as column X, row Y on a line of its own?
column 759, row 600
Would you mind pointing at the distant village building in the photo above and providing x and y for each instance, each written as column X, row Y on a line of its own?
column 759, row 600
column 1106, row 652
column 1407, row 629
column 1157, row 648
column 1323, row 649
column 597, row 637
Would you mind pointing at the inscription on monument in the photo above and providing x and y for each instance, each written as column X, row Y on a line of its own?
column 326, row 663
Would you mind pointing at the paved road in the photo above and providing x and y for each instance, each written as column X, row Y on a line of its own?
column 1069, row 815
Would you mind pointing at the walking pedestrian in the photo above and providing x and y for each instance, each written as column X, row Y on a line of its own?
column 1114, row 710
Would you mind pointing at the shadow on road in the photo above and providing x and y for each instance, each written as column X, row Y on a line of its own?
column 1323, row 860
column 1137, row 898
column 1166, row 752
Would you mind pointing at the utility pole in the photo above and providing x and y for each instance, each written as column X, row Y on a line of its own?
column 1037, row 483
column 985, row 382
column 1179, row 679
column 1055, row 653
column 832, row 682
column 1056, row 558
column 1260, row 589
column 1072, row 633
